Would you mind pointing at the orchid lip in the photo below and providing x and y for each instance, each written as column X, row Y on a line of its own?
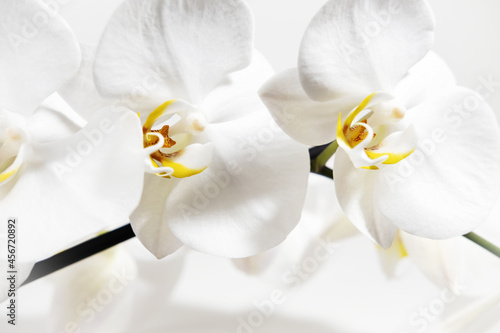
column 12, row 154
column 372, row 144
column 169, row 137
column 13, row 139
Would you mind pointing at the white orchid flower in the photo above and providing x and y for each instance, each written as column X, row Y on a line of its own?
column 417, row 153
column 221, row 178
column 60, row 182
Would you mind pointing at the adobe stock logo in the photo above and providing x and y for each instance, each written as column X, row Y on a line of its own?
column 421, row 319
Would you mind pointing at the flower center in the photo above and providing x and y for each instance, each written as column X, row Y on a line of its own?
column 171, row 135
column 148, row 141
column 356, row 134
column 373, row 134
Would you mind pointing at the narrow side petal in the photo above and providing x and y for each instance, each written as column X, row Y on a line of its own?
column 238, row 88
column 358, row 194
column 53, row 120
column 149, row 220
column 305, row 120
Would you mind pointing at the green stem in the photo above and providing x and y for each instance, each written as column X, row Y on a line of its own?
column 328, row 173
column 483, row 243
column 327, row 153
column 318, row 164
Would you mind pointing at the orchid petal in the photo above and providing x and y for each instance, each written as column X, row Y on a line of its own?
column 52, row 121
column 428, row 78
column 80, row 93
column 357, row 193
column 363, row 46
column 391, row 258
column 456, row 263
column 449, row 185
column 149, row 219
column 442, row 261
column 322, row 227
column 258, row 263
column 237, row 88
column 174, row 49
column 98, row 172
column 305, row 120
column 39, row 54
column 231, row 209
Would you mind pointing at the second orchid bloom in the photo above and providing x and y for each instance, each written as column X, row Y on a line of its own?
column 417, row 152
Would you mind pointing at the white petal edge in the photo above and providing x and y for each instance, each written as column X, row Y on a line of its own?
column 321, row 229
column 362, row 46
column 174, row 49
column 305, row 120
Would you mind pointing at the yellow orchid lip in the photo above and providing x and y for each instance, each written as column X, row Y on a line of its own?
column 167, row 156
column 11, row 153
column 12, row 166
column 7, row 174
column 392, row 158
column 357, row 138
